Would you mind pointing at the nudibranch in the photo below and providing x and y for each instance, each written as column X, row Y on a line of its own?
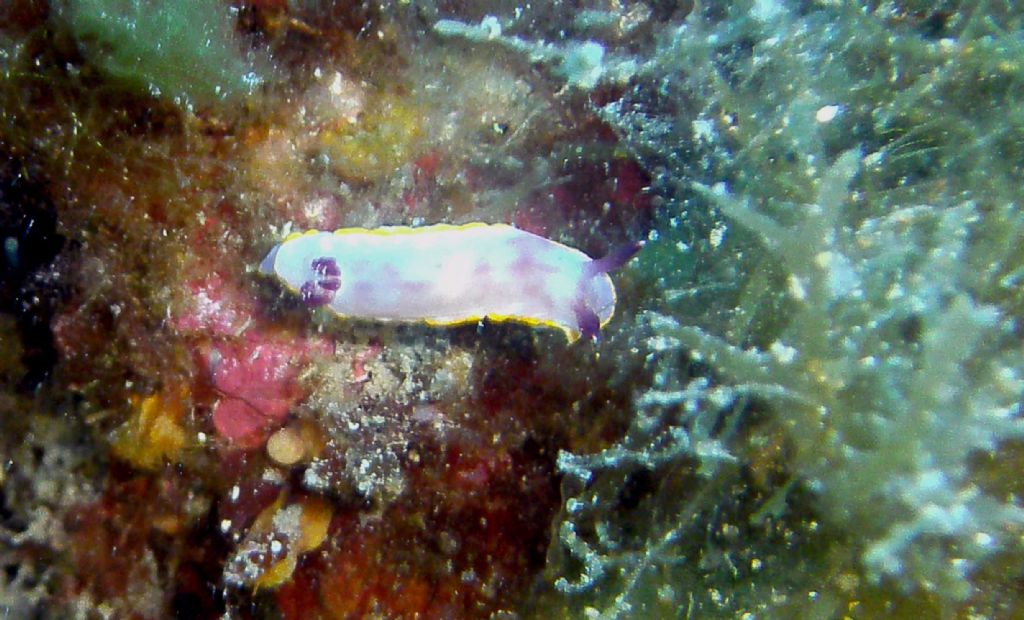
column 449, row 275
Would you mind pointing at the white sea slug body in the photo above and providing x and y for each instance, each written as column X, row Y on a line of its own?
column 447, row 275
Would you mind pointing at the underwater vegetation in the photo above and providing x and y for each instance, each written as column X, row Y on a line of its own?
column 184, row 51
column 849, row 378
column 807, row 402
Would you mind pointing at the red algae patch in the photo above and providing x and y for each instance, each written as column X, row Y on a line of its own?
column 446, row 551
column 256, row 378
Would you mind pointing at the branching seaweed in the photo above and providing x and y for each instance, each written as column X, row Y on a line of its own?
column 900, row 376
column 843, row 271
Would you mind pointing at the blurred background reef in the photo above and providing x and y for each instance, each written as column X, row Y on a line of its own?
column 808, row 404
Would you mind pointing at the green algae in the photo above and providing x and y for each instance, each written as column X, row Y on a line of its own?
column 184, row 51
column 840, row 282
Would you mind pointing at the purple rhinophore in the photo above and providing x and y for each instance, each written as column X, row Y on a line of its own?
column 325, row 283
column 314, row 295
column 330, row 285
column 326, row 267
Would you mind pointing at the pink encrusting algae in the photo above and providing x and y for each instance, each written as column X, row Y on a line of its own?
column 256, row 379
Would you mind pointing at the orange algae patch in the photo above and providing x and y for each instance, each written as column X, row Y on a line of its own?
column 297, row 442
column 287, row 531
column 285, row 446
column 388, row 135
column 154, row 432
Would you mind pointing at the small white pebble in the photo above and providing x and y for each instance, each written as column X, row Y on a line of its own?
column 826, row 113
column 796, row 288
column 337, row 85
column 785, row 354
column 717, row 236
column 491, row 27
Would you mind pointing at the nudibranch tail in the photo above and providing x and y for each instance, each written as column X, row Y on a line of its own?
column 595, row 296
column 587, row 321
